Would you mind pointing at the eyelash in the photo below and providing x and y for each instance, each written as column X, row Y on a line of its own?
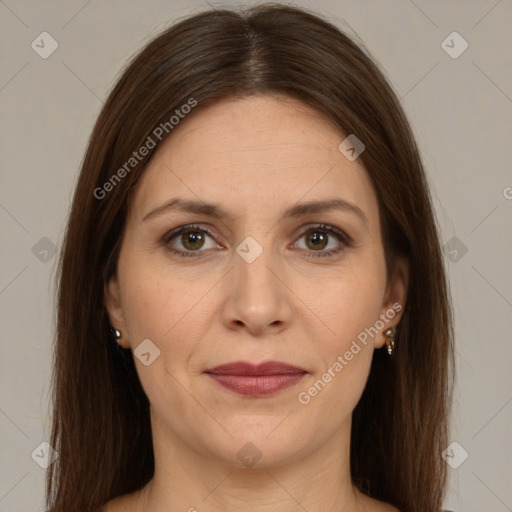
column 342, row 237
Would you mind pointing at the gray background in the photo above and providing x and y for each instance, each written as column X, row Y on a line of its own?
column 461, row 111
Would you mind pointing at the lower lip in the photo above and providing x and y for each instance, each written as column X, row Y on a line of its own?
column 257, row 385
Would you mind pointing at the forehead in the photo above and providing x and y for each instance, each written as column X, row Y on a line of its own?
column 254, row 153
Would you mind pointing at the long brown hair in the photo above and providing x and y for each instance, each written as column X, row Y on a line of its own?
column 101, row 426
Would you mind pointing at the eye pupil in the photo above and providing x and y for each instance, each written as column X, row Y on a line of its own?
column 319, row 240
column 195, row 238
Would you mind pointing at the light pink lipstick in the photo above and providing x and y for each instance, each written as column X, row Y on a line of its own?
column 256, row 380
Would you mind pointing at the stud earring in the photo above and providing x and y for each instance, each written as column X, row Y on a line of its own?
column 390, row 339
column 116, row 335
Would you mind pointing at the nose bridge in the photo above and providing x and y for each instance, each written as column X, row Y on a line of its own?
column 256, row 291
column 255, row 265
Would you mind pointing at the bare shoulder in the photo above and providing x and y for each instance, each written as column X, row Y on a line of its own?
column 389, row 508
column 373, row 505
column 386, row 507
column 123, row 503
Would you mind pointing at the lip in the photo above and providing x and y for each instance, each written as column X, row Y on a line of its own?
column 260, row 380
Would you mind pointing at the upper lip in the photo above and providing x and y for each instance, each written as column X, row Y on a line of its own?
column 246, row 368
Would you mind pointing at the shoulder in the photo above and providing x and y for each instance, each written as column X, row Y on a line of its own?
column 124, row 503
column 374, row 505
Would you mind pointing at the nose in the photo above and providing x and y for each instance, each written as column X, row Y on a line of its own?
column 258, row 298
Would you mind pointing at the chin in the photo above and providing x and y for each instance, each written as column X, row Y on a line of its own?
column 262, row 447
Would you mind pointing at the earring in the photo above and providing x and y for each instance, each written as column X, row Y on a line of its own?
column 116, row 335
column 390, row 341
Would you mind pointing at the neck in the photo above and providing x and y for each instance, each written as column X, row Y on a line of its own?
column 187, row 480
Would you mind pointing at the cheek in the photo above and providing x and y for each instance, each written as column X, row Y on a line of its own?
column 146, row 306
column 349, row 307
column 158, row 305
column 164, row 305
column 349, row 302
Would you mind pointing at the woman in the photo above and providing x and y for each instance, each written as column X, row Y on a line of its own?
column 253, row 310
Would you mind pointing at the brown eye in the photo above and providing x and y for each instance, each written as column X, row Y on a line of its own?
column 319, row 237
column 189, row 241
column 192, row 240
column 316, row 240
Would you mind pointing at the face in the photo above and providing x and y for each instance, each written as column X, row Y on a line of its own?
column 271, row 280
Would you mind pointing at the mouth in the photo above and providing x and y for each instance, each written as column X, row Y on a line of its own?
column 260, row 380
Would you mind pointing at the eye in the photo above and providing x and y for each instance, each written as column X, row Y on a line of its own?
column 192, row 239
column 319, row 237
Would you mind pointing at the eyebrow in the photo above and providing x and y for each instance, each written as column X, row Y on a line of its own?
column 218, row 212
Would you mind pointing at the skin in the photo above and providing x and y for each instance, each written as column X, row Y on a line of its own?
column 255, row 157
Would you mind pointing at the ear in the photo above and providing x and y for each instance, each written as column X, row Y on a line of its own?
column 395, row 298
column 112, row 302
